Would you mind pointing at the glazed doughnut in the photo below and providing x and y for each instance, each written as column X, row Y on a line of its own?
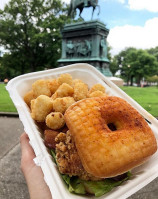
column 111, row 137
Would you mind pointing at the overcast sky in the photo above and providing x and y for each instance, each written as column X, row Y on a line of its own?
column 132, row 23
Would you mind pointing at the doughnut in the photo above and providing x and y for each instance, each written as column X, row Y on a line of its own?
column 111, row 137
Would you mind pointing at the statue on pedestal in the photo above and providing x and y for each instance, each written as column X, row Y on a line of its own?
column 85, row 41
column 80, row 4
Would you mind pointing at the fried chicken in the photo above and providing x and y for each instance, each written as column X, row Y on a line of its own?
column 68, row 159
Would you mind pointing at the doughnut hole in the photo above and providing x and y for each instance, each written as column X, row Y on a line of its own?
column 114, row 125
column 55, row 120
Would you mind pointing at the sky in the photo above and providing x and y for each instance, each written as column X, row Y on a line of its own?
column 132, row 23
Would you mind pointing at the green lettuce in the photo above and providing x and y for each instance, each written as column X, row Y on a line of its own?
column 97, row 188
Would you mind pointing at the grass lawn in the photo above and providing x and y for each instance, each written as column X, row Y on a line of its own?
column 6, row 104
column 147, row 97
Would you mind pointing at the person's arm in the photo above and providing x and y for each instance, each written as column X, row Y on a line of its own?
column 37, row 187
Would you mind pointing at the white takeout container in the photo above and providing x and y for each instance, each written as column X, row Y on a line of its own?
column 17, row 88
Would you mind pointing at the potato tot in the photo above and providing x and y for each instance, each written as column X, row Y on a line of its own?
column 41, row 87
column 80, row 91
column 53, row 85
column 64, row 90
column 65, row 78
column 55, row 120
column 49, row 138
column 28, row 97
column 75, row 81
column 61, row 104
column 97, row 87
column 41, row 107
column 97, row 94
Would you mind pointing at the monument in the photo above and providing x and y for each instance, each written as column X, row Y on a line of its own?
column 85, row 42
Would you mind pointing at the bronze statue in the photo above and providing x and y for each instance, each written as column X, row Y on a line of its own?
column 80, row 4
column 103, row 46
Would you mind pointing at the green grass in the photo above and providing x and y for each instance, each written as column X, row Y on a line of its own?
column 6, row 104
column 147, row 97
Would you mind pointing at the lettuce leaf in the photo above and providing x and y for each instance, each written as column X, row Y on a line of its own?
column 97, row 188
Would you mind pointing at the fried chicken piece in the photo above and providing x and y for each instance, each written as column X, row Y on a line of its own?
column 68, row 159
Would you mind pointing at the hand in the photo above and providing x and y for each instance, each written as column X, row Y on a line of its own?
column 33, row 174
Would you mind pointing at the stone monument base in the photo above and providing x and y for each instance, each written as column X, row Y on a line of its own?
column 85, row 42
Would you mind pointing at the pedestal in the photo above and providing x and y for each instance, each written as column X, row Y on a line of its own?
column 85, row 42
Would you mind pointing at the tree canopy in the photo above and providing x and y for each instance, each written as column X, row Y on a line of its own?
column 30, row 31
column 136, row 63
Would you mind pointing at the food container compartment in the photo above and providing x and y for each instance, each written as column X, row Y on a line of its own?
column 17, row 88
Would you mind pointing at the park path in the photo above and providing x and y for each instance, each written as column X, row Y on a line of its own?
column 12, row 182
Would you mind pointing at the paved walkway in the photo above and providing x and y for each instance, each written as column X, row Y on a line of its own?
column 12, row 182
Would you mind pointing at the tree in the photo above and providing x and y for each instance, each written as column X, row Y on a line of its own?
column 153, row 79
column 137, row 63
column 154, row 52
column 114, row 65
column 30, row 31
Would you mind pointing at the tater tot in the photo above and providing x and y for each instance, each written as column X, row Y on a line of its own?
column 65, row 78
column 41, row 107
column 97, row 94
column 53, row 85
column 76, row 81
column 97, row 87
column 64, row 90
column 41, row 87
column 28, row 97
column 61, row 104
column 55, row 120
column 80, row 91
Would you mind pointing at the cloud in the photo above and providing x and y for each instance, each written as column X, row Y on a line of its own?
column 150, row 5
column 145, row 37
column 2, row 3
column 66, row 1
column 121, row 1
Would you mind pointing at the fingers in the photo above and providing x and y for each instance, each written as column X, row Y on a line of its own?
column 25, row 146
column 28, row 154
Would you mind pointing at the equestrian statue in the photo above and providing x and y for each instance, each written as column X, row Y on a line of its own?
column 80, row 4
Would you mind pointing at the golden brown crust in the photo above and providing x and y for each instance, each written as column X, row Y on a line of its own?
column 104, row 152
